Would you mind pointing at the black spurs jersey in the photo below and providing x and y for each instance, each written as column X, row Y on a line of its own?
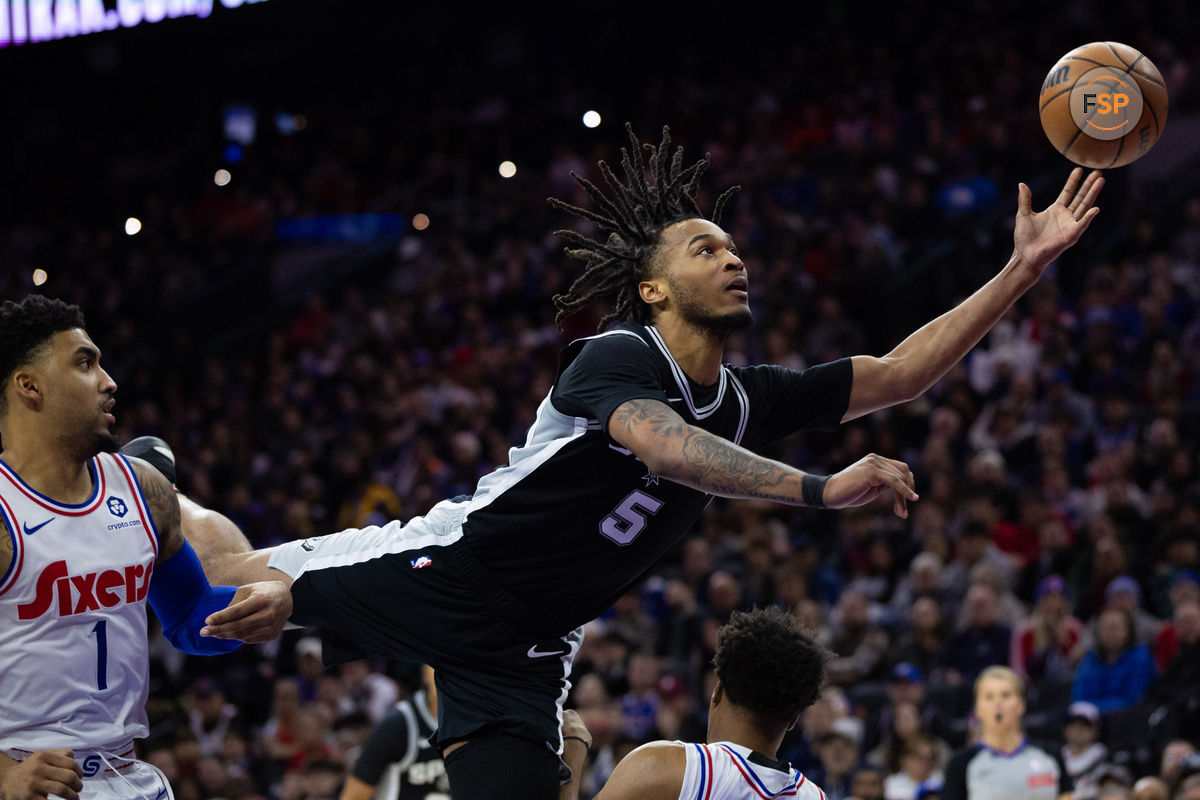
column 575, row 519
column 397, row 758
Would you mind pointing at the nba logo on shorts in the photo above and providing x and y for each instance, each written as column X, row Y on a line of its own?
column 117, row 506
column 421, row 561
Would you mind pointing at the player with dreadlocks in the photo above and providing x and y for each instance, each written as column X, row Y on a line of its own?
column 643, row 427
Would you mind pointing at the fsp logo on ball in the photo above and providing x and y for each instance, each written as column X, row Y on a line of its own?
column 1106, row 103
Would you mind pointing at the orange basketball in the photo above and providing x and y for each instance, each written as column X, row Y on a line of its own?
column 1103, row 105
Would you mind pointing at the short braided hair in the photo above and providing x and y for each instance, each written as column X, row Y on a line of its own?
column 25, row 327
column 634, row 219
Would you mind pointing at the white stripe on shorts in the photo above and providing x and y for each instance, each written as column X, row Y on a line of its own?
column 441, row 526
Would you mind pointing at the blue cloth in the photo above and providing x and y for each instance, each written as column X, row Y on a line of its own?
column 1112, row 687
column 182, row 598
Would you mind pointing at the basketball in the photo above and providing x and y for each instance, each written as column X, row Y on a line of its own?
column 1103, row 105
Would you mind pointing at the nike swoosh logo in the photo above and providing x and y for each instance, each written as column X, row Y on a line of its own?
column 31, row 531
column 535, row 653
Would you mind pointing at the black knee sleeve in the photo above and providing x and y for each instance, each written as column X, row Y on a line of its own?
column 498, row 766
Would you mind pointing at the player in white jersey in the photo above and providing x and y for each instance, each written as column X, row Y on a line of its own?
column 768, row 671
column 89, row 537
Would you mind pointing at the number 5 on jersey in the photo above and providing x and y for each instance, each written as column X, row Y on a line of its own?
column 629, row 517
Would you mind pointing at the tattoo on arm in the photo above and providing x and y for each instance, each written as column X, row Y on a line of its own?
column 659, row 416
column 163, row 502
column 726, row 469
column 708, row 462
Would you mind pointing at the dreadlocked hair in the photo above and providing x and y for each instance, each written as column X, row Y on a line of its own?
column 634, row 218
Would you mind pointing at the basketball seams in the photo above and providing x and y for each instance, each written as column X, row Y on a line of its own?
column 1052, row 99
column 1118, row 55
column 1120, row 147
column 1055, row 111
column 1157, row 130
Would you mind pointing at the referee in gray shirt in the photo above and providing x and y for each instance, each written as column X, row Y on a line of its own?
column 1004, row 765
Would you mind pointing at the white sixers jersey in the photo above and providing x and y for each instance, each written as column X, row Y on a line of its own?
column 726, row 771
column 74, row 656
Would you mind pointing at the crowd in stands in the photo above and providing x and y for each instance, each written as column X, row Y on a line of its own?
column 1058, row 530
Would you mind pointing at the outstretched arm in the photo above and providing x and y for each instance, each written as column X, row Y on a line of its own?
column 925, row 356
column 181, row 594
column 686, row 454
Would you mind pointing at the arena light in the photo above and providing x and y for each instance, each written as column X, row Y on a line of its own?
column 39, row 276
column 222, row 177
column 420, row 221
column 591, row 119
column 133, row 226
column 507, row 169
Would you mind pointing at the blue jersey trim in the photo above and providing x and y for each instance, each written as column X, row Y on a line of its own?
column 703, row 771
column 1001, row 754
column 70, row 506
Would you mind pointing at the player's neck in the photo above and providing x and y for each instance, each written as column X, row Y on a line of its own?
column 46, row 468
column 698, row 352
column 743, row 729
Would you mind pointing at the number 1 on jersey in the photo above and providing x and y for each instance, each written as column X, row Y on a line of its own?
column 101, row 631
column 629, row 517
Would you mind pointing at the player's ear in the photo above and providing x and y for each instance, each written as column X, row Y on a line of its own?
column 653, row 291
column 718, row 695
column 26, row 386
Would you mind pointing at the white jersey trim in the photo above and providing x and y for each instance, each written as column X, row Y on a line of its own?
column 681, row 380
column 573, row 641
column 744, row 401
column 551, row 431
column 441, row 526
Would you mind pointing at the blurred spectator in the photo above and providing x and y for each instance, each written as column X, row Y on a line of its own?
column 1151, row 787
column 639, row 705
column 858, row 645
column 1175, row 757
column 918, row 766
column 1045, row 644
column 278, row 735
column 211, row 718
column 1125, row 594
column 983, row 643
column 867, row 783
column 312, row 741
column 1180, row 677
column 367, row 691
column 1083, row 754
column 922, row 645
column 309, row 667
column 1117, row 672
column 838, row 751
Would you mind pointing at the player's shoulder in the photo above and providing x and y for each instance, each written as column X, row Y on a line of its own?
column 653, row 771
column 623, row 343
column 622, row 337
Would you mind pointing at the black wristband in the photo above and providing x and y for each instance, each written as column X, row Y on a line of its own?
column 586, row 743
column 812, row 490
